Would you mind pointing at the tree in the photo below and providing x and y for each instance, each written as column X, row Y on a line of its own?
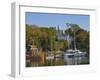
column 81, row 37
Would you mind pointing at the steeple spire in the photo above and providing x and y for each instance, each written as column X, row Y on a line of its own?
column 58, row 28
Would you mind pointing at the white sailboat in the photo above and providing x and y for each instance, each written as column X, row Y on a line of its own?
column 74, row 52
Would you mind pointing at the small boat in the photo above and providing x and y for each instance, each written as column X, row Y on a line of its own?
column 74, row 53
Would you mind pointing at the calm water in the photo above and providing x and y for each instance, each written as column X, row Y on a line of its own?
column 61, row 60
column 76, row 60
column 67, row 60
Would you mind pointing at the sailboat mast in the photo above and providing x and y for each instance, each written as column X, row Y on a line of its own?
column 67, row 24
column 74, row 41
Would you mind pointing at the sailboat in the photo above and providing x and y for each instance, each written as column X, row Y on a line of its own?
column 74, row 52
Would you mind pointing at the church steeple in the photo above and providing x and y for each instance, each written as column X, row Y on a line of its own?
column 58, row 28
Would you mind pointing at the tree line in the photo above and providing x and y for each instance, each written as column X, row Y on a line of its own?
column 45, row 38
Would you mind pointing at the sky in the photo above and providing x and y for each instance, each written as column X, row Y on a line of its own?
column 53, row 20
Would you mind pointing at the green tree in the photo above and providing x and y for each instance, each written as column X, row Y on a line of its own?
column 81, row 37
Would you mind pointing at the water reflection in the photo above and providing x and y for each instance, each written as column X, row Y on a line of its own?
column 56, row 60
column 67, row 60
column 76, row 60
